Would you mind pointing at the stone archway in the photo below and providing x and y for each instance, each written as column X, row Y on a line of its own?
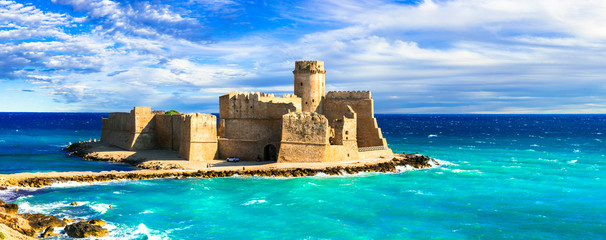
column 270, row 153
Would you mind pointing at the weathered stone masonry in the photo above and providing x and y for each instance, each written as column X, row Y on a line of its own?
column 307, row 126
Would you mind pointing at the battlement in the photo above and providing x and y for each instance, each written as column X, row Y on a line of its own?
column 309, row 67
column 348, row 95
column 201, row 117
column 305, row 117
column 262, row 97
column 255, row 105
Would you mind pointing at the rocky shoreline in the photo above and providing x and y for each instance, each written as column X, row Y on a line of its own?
column 25, row 226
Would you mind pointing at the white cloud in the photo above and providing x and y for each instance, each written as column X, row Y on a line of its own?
column 457, row 56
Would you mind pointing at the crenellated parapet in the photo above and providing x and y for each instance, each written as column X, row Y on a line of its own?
column 309, row 67
column 345, row 95
column 255, row 105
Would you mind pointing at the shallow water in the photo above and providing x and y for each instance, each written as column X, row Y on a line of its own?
column 511, row 177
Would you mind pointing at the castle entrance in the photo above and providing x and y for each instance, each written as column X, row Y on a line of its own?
column 270, row 153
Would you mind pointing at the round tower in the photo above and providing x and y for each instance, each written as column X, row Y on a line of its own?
column 309, row 84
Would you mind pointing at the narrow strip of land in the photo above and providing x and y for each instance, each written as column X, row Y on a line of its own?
column 161, row 165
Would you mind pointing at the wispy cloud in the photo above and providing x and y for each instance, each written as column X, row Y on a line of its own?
column 458, row 56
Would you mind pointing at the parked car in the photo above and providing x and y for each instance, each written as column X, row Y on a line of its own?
column 233, row 159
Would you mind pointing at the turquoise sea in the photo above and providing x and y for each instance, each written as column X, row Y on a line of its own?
column 504, row 177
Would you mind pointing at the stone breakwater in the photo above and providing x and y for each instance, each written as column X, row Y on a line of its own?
column 414, row 161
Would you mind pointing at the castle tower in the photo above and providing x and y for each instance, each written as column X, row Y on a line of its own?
column 309, row 84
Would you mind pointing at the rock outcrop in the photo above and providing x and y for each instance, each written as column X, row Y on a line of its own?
column 25, row 226
column 85, row 229
column 40, row 222
column 12, row 234
column 8, row 208
column 48, row 232
column 97, row 222
column 17, row 223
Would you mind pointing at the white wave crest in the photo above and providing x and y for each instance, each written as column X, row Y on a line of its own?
column 462, row 170
column 138, row 232
column 80, row 184
column 443, row 163
column 255, row 201
column 100, row 207
column 404, row 168
column 432, row 136
column 46, row 208
column 419, row 192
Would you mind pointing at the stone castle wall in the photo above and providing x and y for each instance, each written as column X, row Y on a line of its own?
column 368, row 132
column 117, row 130
column 305, row 138
column 168, row 131
column 257, row 105
column 131, row 131
column 348, row 95
column 344, row 146
column 198, row 137
column 252, row 121
column 247, row 138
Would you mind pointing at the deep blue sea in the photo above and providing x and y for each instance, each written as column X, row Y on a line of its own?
column 504, row 177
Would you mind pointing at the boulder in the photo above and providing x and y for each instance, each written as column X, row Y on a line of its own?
column 97, row 222
column 68, row 220
column 84, row 229
column 17, row 223
column 10, row 208
column 49, row 231
column 41, row 222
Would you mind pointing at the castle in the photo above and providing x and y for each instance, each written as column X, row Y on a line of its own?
column 307, row 126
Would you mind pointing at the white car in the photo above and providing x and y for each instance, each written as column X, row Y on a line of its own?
column 233, row 159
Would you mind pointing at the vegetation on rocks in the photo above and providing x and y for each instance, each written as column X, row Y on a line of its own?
column 172, row 112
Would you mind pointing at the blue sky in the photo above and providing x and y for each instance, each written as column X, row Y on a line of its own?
column 454, row 56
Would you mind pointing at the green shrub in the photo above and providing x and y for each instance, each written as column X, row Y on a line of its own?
column 1, row 235
column 172, row 112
